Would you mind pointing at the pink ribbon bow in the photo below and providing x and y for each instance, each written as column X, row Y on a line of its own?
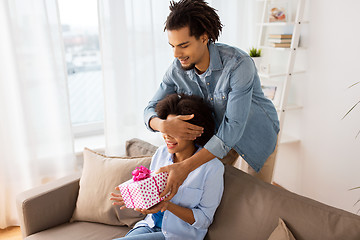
column 140, row 173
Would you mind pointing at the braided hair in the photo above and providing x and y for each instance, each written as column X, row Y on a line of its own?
column 197, row 15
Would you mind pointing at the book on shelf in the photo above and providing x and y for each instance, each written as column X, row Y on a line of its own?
column 280, row 45
column 279, row 40
column 280, row 36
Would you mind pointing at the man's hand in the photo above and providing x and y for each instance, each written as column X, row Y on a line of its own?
column 177, row 127
column 154, row 209
column 118, row 199
column 178, row 172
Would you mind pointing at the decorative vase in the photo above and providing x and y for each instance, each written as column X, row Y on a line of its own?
column 257, row 61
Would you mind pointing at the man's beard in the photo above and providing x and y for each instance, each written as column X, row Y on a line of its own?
column 186, row 68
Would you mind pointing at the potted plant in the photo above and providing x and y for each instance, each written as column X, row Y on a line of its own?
column 255, row 54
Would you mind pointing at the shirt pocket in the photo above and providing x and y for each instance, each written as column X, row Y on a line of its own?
column 220, row 101
column 190, row 197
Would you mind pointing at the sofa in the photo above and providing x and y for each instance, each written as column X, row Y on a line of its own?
column 250, row 209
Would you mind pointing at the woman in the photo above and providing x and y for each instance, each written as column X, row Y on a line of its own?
column 190, row 212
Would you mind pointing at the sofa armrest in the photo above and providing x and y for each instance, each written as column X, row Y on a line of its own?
column 48, row 205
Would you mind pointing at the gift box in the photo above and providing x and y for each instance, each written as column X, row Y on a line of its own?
column 144, row 189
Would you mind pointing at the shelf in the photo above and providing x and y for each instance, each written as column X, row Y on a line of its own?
column 280, row 48
column 271, row 1
column 287, row 139
column 275, row 24
column 284, row 68
column 290, row 108
column 278, row 74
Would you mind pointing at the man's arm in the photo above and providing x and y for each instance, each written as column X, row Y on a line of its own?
column 237, row 110
column 178, row 172
column 230, row 130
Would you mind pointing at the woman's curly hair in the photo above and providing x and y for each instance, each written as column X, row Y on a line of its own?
column 197, row 15
column 181, row 104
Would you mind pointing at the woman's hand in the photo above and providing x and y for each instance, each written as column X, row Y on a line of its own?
column 186, row 214
column 117, row 198
column 154, row 209
column 178, row 172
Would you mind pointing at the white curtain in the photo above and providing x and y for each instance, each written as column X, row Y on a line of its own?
column 239, row 20
column 35, row 130
column 136, row 54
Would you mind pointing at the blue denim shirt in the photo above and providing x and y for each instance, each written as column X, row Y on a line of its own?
column 245, row 119
column 201, row 192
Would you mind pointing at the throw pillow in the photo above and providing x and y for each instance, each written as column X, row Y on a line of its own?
column 101, row 174
column 137, row 147
column 281, row 232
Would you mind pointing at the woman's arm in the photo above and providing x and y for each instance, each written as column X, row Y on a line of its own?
column 210, row 199
column 183, row 213
column 200, row 216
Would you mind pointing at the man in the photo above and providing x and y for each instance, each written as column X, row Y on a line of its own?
column 246, row 121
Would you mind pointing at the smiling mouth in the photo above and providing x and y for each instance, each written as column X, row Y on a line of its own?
column 183, row 60
column 170, row 145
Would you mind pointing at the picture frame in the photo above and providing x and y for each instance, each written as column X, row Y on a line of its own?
column 265, row 68
column 272, row 91
column 269, row 91
column 278, row 12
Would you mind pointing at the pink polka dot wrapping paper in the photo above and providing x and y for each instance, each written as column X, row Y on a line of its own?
column 144, row 193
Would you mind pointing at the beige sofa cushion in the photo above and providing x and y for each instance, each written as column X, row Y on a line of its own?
column 251, row 208
column 101, row 174
column 281, row 232
column 81, row 231
column 137, row 147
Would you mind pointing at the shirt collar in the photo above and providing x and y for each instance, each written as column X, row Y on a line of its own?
column 215, row 61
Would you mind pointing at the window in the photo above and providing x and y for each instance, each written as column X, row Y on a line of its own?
column 79, row 22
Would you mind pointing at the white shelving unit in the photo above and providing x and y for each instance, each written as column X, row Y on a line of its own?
column 286, row 73
column 278, row 74
column 282, row 70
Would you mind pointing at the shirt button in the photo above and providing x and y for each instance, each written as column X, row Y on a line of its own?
column 208, row 83
column 211, row 99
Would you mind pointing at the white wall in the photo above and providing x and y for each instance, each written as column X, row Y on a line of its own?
column 327, row 161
